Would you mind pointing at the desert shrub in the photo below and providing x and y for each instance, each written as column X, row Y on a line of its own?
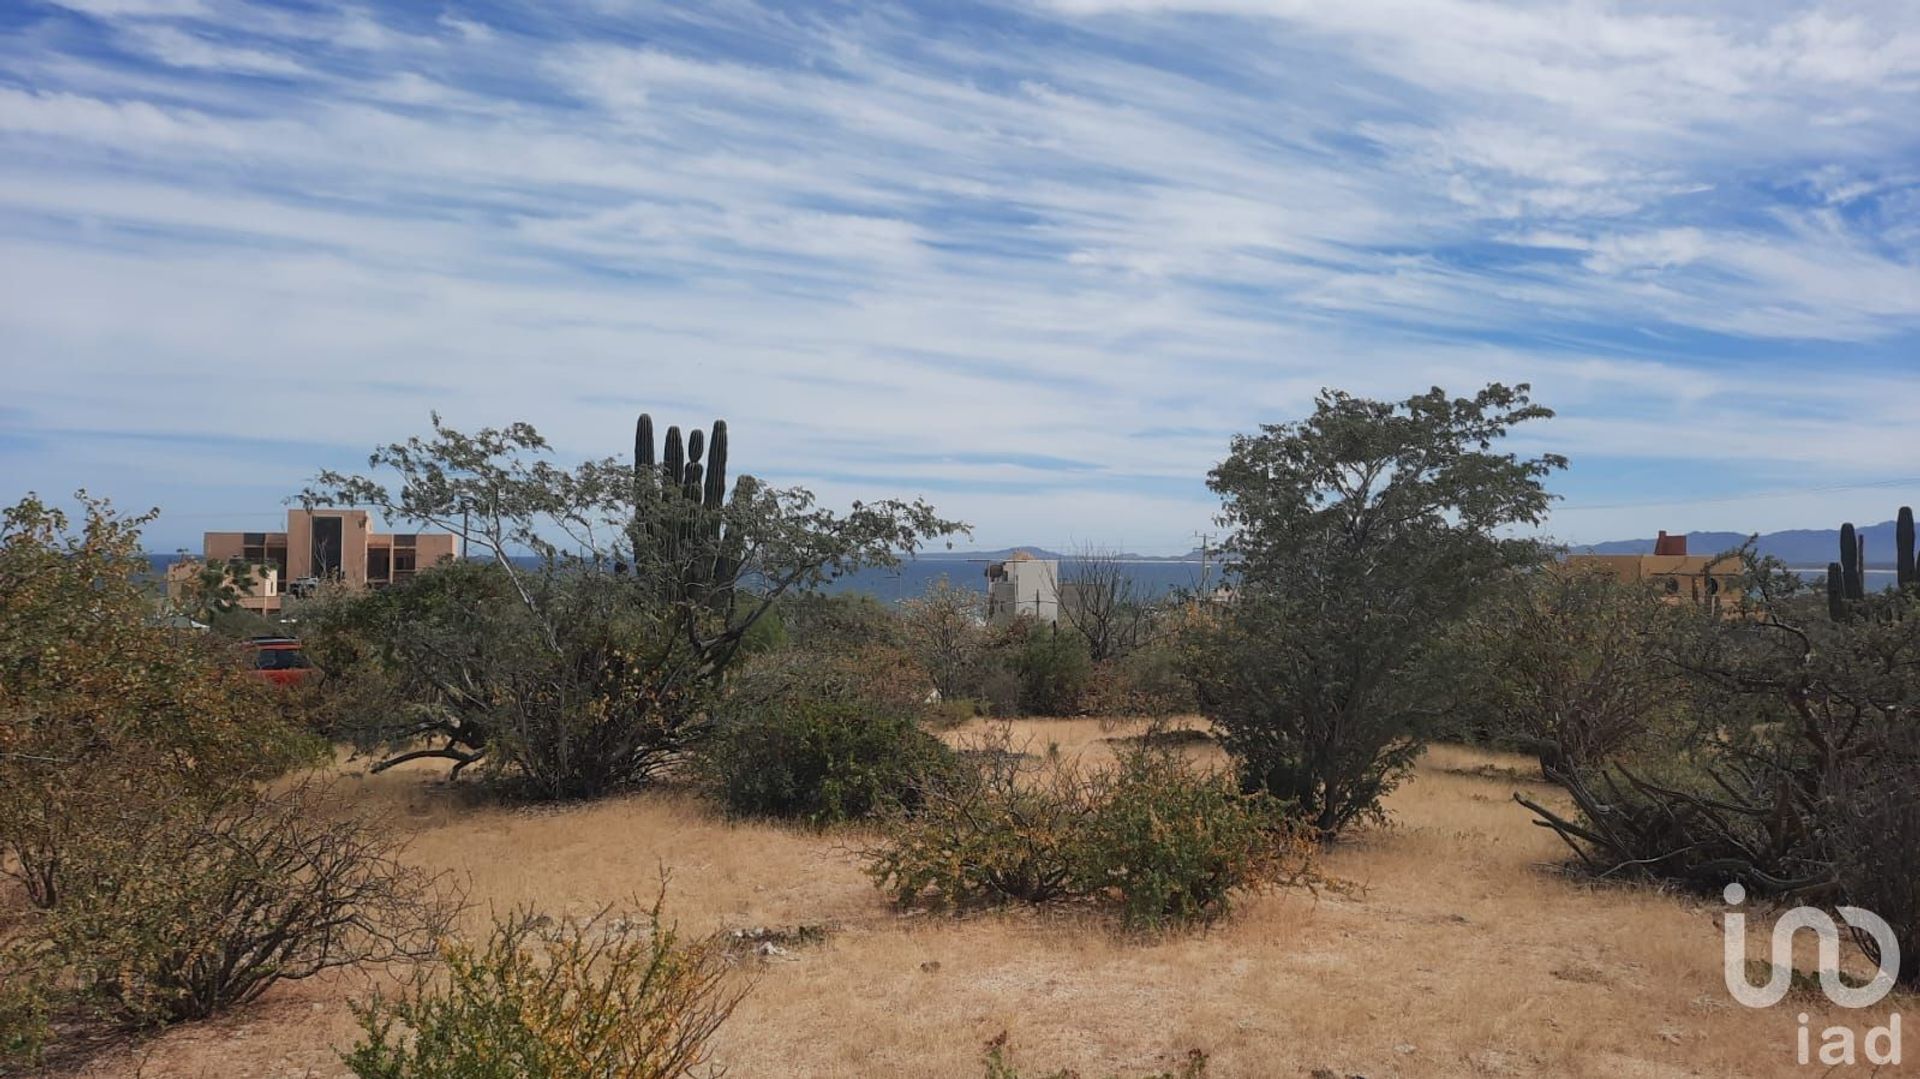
column 102, row 714
column 191, row 912
column 1054, row 669
column 819, row 740
column 1000, row 1065
column 1801, row 775
column 1006, row 828
column 1570, row 665
column 1148, row 681
column 822, row 622
column 592, row 665
column 598, row 998
column 1000, row 689
column 1166, row 844
column 1174, row 843
column 947, row 714
column 944, row 631
column 24, row 1015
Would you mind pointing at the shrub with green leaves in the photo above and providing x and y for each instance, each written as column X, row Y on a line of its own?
column 1002, row 829
column 100, row 711
column 1173, row 843
column 1165, row 843
column 1055, row 669
column 819, row 740
column 24, row 1026
column 604, row 997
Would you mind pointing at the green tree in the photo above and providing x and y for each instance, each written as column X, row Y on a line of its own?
column 1052, row 665
column 214, row 589
column 101, row 711
column 1361, row 534
column 945, row 630
column 584, row 655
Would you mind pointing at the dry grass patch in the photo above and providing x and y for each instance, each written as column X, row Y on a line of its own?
column 1460, row 957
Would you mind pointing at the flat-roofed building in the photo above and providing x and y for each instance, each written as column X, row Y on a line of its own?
column 325, row 545
column 1708, row 580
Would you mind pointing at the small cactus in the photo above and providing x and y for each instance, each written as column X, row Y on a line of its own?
column 1903, row 549
column 1853, row 575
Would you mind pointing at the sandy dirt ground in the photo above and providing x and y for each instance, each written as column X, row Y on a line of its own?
column 1459, row 954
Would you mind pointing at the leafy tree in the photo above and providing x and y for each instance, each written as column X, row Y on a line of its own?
column 214, row 589
column 1052, row 665
column 945, row 630
column 1361, row 534
column 101, row 711
column 1570, row 665
column 611, row 607
column 838, row 621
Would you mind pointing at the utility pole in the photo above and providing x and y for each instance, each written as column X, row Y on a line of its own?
column 1206, row 540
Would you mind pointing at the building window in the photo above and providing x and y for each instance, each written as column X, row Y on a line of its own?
column 403, row 563
column 377, row 566
column 328, row 542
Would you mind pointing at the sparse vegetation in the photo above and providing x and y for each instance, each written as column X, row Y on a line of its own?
column 945, row 632
column 101, row 712
column 1168, row 844
column 1800, row 774
column 162, row 882
column 1000, row 1065
column 1053, row 666
column 190, row 913
column 605, row 997
column 161, row 869
column 1572, row 666
column 594, row 668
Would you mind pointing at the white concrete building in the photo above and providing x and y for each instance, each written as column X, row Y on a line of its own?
column 1023, row 585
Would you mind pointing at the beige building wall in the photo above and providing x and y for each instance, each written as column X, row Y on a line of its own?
column 1701, row 579
column 338, row 545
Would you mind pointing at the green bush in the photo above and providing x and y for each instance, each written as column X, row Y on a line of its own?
column 1055, row 671
column 1166, row 844
column 599, row 998
column 1174, row 844
column 819, row 741
column 1000, row 690
column 1003, row 829
column 24, row 1026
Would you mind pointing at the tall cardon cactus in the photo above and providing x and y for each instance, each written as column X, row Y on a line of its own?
column 679, row 510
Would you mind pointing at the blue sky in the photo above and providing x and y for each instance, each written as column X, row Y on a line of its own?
column 1034, row 261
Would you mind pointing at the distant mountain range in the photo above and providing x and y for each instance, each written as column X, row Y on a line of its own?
column 1802, row 547
column 1796, row 547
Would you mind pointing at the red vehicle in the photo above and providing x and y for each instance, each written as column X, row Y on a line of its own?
column 278, row 660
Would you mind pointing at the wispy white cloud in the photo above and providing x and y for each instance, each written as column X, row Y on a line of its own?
column 1107, row 232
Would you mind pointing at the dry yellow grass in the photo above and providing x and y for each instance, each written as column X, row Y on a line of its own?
column 1460, row 956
